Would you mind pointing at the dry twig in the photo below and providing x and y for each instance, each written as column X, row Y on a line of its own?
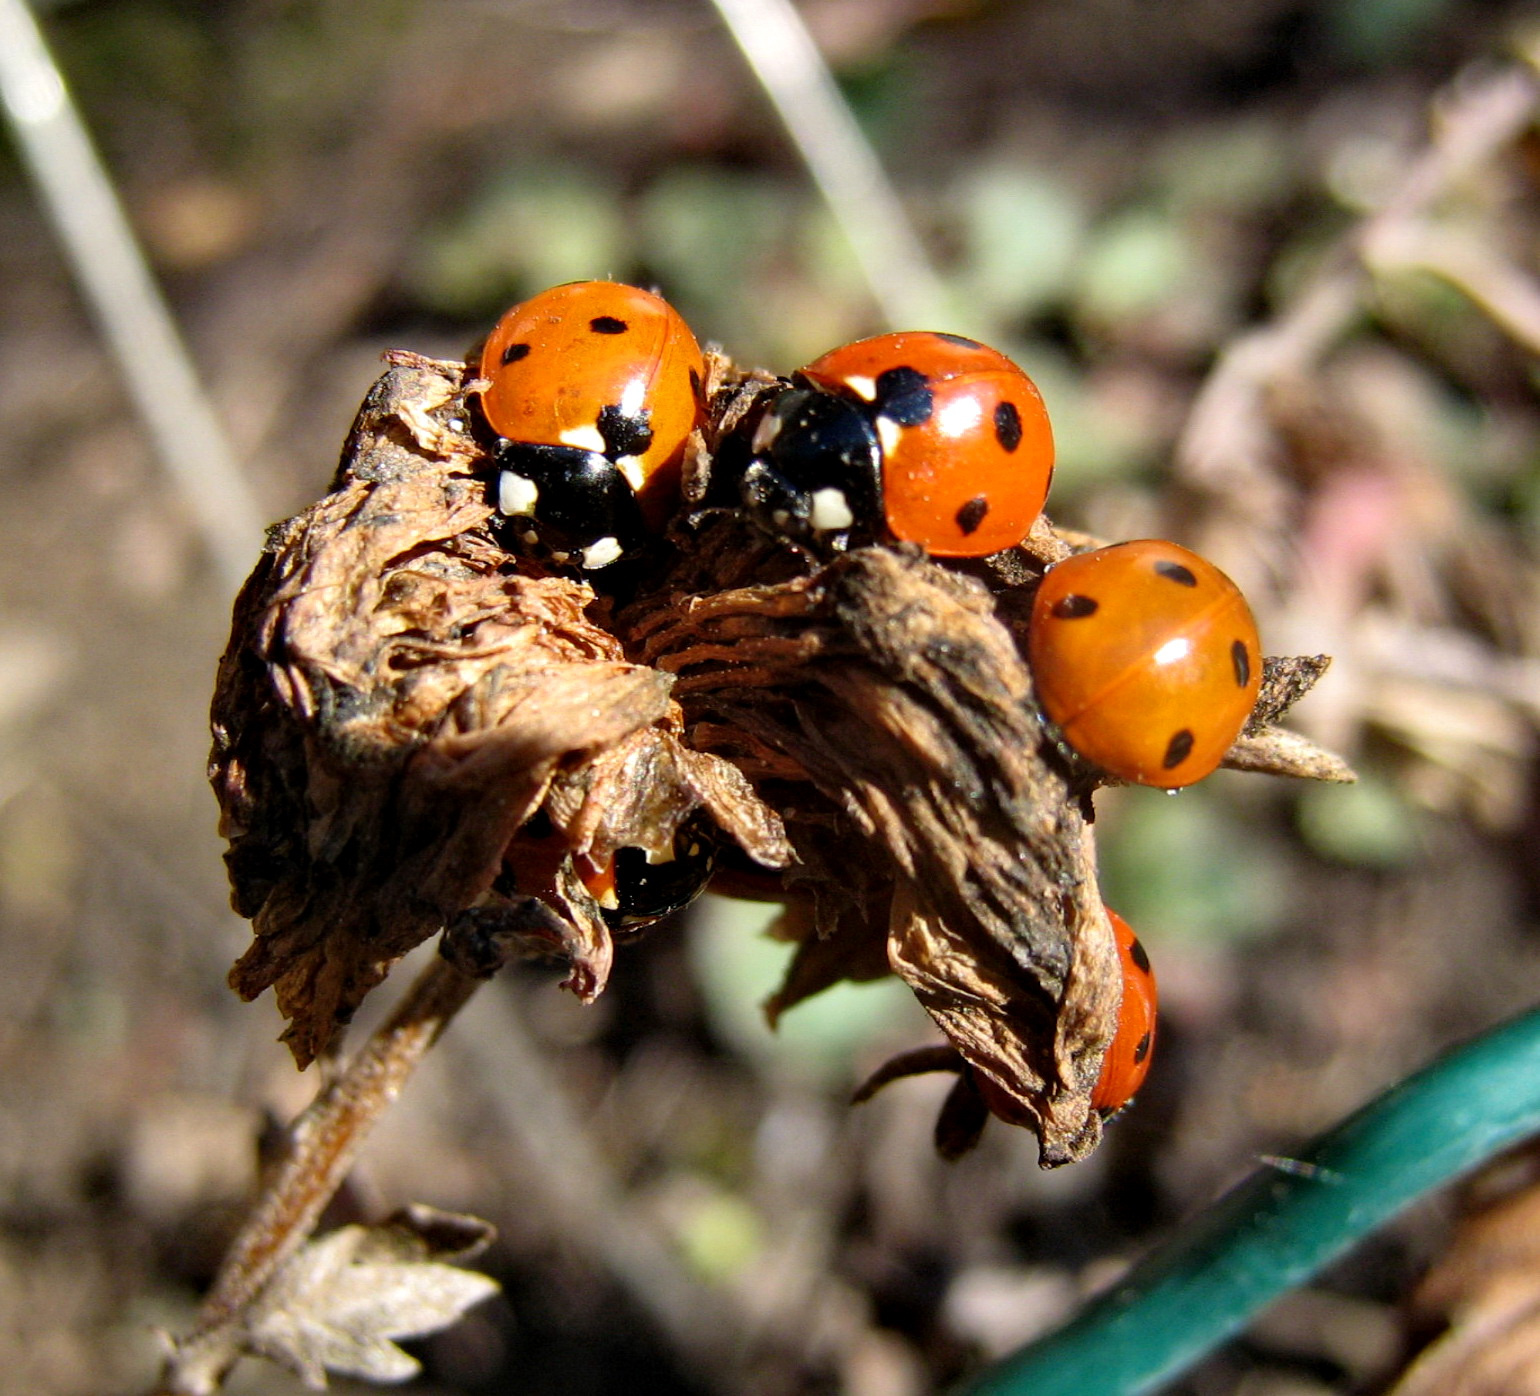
column 1228, row 444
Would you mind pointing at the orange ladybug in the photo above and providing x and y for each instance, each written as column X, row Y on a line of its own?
column 1127, row 1062
column 1147, row 659
column 967, row 449
column 594, row 388
column 928, row 438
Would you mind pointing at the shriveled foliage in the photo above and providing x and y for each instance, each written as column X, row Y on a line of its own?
column 394, row 705
column 401, row 698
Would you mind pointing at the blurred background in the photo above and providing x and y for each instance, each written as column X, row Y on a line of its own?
column 1118, row 193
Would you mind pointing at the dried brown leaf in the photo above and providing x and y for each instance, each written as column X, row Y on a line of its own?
column 890, row 684
column 400, row 697
column 1486, row 1286
column 395, row 704
column 338, row 1303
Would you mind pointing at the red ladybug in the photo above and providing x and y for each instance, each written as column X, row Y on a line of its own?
column 595, row 388
column 928, row 438
column 1127, row 1062
column 1147, row 659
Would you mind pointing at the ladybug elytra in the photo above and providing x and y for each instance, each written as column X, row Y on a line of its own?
column 1146, row 657
column 634, row 890
column 1127, row 1062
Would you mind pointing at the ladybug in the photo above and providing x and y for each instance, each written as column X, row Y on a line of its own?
column 1127, row 1062
column 928, row 438
column 633, row 891
column 593, row 388
column 1146, row 657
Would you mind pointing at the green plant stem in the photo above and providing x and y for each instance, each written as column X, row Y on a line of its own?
column 1284, row 1223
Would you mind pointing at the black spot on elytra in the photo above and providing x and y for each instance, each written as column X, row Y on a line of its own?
column 607, row 324
column 514, row 352
column 961, row 339
column 1142, row 1050
column 971, row 515
column 1178, row 749
column 695, row 384
column 1136, row 953
column 1008, row 426
column 1175, row 572
column 904, row 396
column 1242, row 661
column 623, row 435
column 1075, row 607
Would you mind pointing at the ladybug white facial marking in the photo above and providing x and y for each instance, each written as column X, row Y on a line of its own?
column 765, row 433
column 631, row 468
column 586, row 438
column 601, row 554
column 517, row 495
column 831, row 510
column 862, row 387
column 889, row 434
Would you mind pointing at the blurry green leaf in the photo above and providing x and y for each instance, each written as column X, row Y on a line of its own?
column 883, row 94
column 1234, row 167
column 701, row 228
column 827, row 255
column 1378, row 31
column 1134, row 263
column 738, row 967
column 1190, row 866
column 720, row 1235
column 537, row 226
column 1022, row 231
column 1301, row 260
column 161, row 53
column 1524, row 498
column 1367, row 823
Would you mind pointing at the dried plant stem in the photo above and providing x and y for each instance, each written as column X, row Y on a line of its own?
column 324, row 1142
column 1227, row 440
column 79, row 199
column 840, row 159
column 583, row 1196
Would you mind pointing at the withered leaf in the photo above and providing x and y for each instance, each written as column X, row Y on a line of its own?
column 394, row 705
column 890, row 684
column 339, row 1302
column 1486, row 1287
